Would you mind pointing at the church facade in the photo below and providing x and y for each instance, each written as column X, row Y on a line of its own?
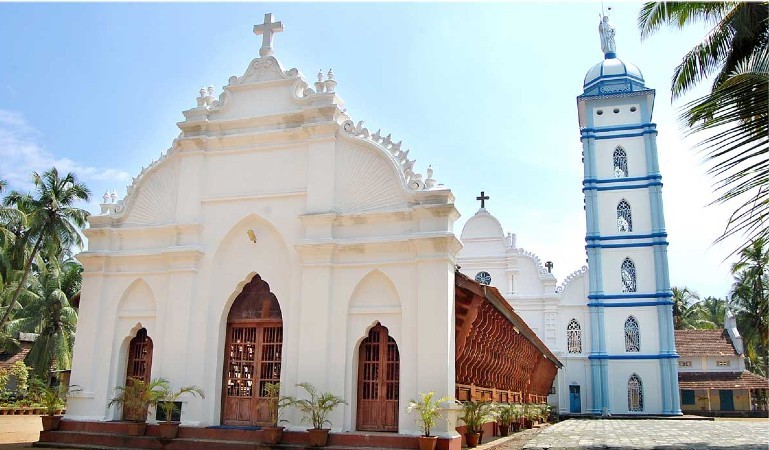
column 278, row 240
column 612, row 324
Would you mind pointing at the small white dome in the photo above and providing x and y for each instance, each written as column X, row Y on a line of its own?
column 613, row 72
column 482, row 226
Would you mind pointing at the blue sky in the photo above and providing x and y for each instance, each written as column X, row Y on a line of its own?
column 483, row 92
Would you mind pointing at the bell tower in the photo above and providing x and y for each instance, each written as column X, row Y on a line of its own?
column 633, row 361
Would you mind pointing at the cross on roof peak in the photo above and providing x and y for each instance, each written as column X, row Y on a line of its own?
column 483, row 199
column 266, row 30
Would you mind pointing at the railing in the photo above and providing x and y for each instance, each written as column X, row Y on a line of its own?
column 470, row 392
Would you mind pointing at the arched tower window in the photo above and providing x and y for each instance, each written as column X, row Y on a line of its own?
column 628, row 275
column 624, row 217
column 635, row 394
column 620, row 163
column 632, row 335
column 574, row 337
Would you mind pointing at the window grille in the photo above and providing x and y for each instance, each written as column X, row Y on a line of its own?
column 635, row 394
column 722, row 363
column 684, row 363
column 624, row 217
column 620, row 163
column 632, row 335
column 628, row 275
column 574, row 337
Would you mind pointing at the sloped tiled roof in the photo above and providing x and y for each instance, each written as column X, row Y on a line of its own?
column 721, row 380
column 6, row 360
column 704, row 343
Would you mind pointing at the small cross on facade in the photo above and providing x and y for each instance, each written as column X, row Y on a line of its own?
column 483, row 199
column 266, row 30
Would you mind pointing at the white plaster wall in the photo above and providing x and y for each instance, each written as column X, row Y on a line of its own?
column 648, row 371
column 615, row 330
column 644, row 264
column 634, row 149
column 609, row 117
column 638, row 199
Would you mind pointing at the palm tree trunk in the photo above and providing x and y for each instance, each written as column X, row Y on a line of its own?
column 27, row 269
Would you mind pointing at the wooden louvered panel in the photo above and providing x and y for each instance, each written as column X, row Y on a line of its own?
column 253, row 352
column 378, row 382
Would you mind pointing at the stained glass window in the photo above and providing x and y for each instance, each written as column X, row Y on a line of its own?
column 624, row 217
column 574, row 337
column 632, row 335
column 620, row 163
column 635, row 394
column 627, row 272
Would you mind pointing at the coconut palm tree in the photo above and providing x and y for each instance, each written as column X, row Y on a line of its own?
column 713, row 310
column 736, row 111
column 52, row 218
column 750, row 294
column 686, row 310
column 48, row 313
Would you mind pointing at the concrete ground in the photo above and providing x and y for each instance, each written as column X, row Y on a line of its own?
column 738, row 434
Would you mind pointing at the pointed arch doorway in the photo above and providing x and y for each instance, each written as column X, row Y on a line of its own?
column 378, row 382
column 252, row 354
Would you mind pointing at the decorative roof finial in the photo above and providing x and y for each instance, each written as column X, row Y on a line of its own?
column 606, row 30
column 267, row 29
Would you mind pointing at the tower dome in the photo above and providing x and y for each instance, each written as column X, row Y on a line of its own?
column 612, row 75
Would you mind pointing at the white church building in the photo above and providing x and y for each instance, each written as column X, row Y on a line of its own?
column 273, row 193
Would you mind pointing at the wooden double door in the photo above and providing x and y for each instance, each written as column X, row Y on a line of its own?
column 378, row 382
column 253, row 349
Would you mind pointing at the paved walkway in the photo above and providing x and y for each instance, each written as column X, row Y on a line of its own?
column 653, row 435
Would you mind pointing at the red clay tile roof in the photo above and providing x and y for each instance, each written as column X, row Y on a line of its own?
column 7, row 363
column 721, row 380
column 704, row 343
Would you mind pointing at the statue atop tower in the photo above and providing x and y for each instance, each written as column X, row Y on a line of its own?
column 608, row 45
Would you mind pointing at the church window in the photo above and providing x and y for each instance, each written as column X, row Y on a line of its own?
column 483, row 278
column 624, row 217
column 632, row 335
column 574, row 337
column 684, row 363
column 635, row 394
column 620, row 163
column 722, row 363
column 628, row 274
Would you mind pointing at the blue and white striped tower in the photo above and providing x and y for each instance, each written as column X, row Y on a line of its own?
column 632, row 348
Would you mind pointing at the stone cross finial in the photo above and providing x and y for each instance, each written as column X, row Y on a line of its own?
column 483, row 199
column 266, row 30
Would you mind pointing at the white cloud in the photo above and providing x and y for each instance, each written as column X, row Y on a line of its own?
column 21, row 153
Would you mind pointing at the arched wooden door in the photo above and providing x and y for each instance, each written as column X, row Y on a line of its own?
column 139, row 367
column 252, row 354
column 378, row 382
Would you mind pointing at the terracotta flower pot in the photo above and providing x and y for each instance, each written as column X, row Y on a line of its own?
column 168, row 430
column 516, row 426
column 427, row 442
column 50, row 423
column 136, row 428
column 472, row 439
column 272, row 435
column 504, row 430
column 318, row 436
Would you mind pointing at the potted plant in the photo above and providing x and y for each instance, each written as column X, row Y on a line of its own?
column 315, row 410
column 528, row 415
column 474, row 415
column 505, row 415
column 429, row 412
column 53, row 400
column 135, row 398
column 273, row 433
column 168, row 429
column 517, row 409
